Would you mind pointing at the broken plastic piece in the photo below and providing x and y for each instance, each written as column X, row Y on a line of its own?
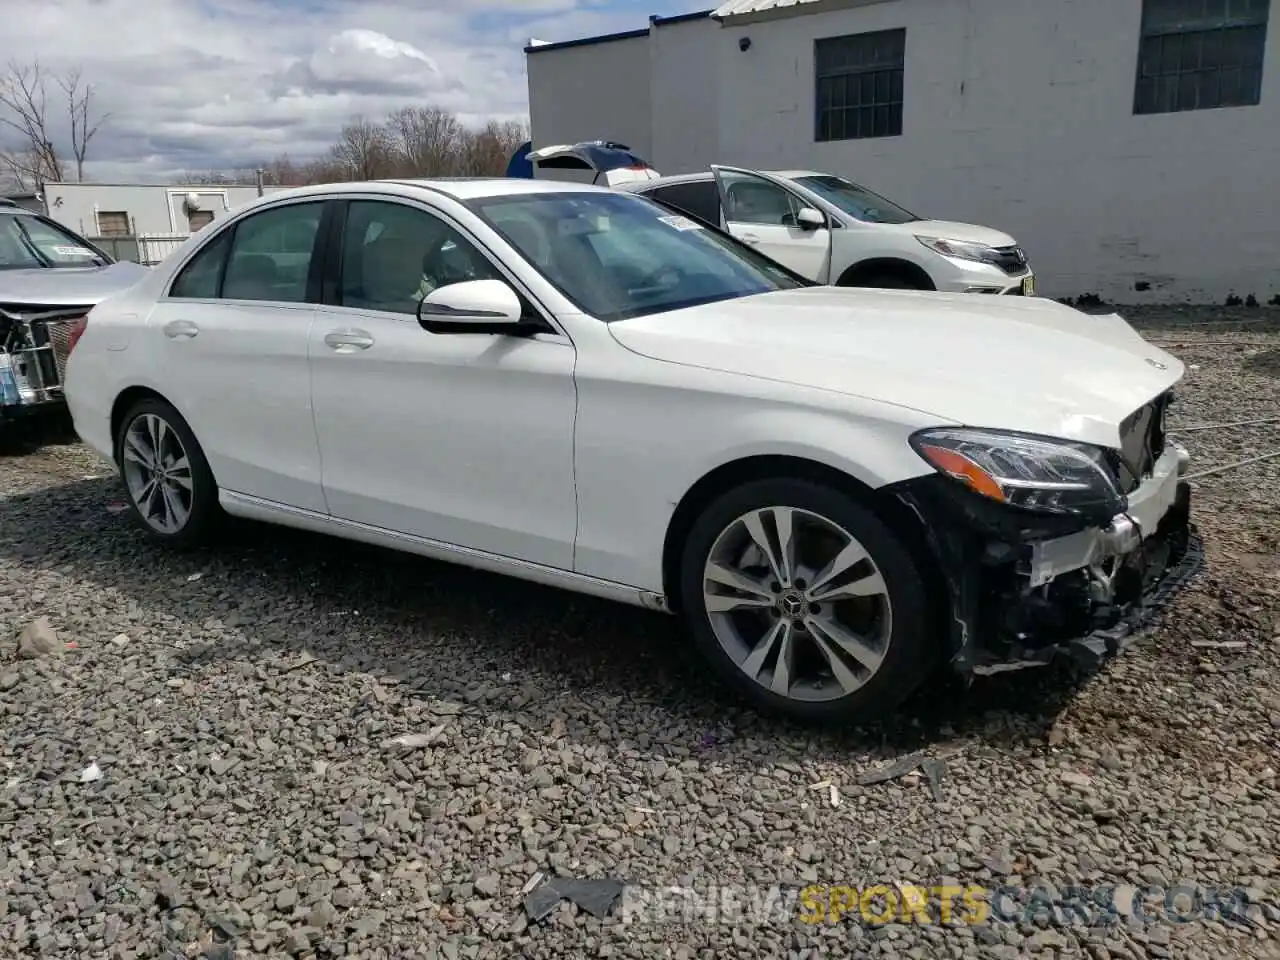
column 91, row 773
column 597, row 897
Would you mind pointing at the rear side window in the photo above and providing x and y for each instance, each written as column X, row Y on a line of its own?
column 697, row 197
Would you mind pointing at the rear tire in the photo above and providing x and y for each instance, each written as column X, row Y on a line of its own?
column 840, row 628
column 168, row 484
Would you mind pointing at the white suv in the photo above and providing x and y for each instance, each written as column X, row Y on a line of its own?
column 837, row 232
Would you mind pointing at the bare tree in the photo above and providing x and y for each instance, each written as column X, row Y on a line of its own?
column 487, row 151
column 426, row 141
column 363, row 150
column 24, row 112
column 83, row 125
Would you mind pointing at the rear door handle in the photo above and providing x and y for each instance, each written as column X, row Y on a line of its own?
column 347, row 341
column 180, row 329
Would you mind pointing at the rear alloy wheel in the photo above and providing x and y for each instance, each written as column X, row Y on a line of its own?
column 170, row 487
column 806, row 602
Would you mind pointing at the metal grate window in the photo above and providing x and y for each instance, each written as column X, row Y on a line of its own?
column 1200, row 54
column 113, row 223
column 859, row 85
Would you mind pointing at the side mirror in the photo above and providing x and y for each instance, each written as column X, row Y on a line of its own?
column 474, row 306
column 810, row 219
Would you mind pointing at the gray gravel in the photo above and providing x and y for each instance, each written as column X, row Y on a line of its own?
column 200, row 756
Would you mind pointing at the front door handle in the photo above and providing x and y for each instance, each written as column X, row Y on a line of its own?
column 180, row 329
column 750, row 238
column 345, row 341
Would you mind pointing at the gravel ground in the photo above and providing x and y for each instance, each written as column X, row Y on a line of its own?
column 235, row 710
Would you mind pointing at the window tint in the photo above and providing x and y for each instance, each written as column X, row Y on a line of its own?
column 752, row 199
column 394, row 255
column 199, row 278
column 271, row 254
column 699, row 198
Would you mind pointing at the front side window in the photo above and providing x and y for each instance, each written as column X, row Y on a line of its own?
column 617, row 255
column 752, row 199
column 30, row 242
column 271, row 254
column 859, row 202
column 394, row 255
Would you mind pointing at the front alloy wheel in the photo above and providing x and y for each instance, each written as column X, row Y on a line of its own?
column 797, row 603
column 807, row 602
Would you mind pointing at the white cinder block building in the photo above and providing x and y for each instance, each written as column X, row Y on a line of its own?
column 1131, row 146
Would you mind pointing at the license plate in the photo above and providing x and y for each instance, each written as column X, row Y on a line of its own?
column 1028, row 286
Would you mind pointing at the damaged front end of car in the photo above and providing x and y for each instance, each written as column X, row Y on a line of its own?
column 1050, row 547
column 35, row 342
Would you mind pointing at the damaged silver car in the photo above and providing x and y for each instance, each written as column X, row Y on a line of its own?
column 49, row 280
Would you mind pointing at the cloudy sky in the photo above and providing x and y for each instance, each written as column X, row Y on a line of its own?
column 219, row 84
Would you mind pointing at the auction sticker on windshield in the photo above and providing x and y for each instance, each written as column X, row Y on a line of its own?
column 73, row 251
column 681, row 223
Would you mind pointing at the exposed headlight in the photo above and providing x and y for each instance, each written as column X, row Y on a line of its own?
column 960, row 249
column 1034, row 473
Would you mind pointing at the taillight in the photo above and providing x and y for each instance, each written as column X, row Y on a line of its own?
column 76, row 332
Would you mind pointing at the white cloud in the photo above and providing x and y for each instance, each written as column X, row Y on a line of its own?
column 218, row 84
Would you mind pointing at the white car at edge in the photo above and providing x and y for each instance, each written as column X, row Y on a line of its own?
column 837, row 489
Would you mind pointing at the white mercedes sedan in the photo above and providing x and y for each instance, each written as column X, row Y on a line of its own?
column 837, row 489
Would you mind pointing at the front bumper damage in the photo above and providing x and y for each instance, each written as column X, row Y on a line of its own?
column 1025, row 590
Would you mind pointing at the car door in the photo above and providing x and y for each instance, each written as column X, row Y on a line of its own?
column 762, row 212
column 463, row 439
column 232, row 339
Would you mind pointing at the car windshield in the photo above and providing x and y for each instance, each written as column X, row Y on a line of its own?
column 858, row 202
column 616, row 255
column 28, row 241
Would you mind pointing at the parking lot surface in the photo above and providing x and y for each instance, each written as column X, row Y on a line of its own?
column 209, row 758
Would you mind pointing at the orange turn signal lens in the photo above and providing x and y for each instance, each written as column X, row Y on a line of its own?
column 965, row 470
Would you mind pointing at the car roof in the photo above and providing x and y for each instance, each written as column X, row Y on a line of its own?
column 459, row 188
column 643, row 186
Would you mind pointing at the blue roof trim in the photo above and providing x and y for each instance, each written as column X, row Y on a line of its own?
column 680, row 18
column 588, row 41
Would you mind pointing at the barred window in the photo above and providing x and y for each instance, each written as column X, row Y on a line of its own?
column 859, row 85
column 1200, row 54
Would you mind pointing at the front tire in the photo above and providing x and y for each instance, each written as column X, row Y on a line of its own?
column 170, row 488
column 806, row 603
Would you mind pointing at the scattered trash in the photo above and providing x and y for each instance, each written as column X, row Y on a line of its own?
column 117, row 507
column 92, row 476
column 91, row 773
column 833, row 794
column 416, row 741
column 120, row 639
column 194, row 577
column 935, row 771
column 597, row 897
column 531, row 883
column 506, row 678
column 1220, row 644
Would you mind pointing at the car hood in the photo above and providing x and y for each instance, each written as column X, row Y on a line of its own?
column 67, row 286
column 1002, row 362
column 947, row 230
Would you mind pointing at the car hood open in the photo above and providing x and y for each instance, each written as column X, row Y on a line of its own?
column 1001, row 362
column 67, row 286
